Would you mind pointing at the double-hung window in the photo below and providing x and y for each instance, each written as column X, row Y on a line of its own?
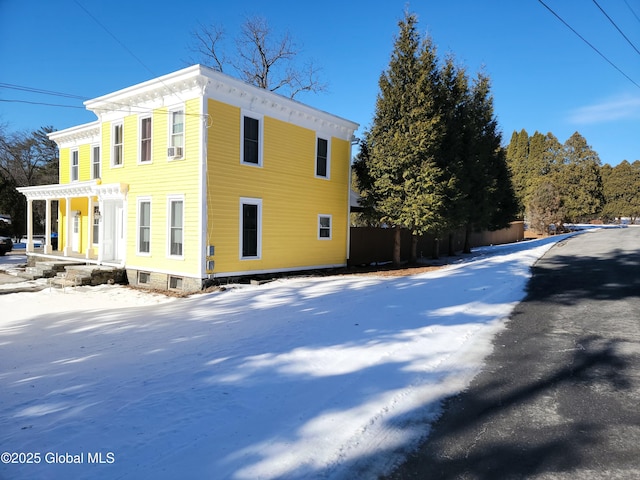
column 144, row 225
column 176, row 226
column 251, row 147
column 324, row 227
column 176, row 134
column 145, row 140
column 322, row 158
column 250, row 228
column 95, row 162
column 75, row 165
column 117, row 142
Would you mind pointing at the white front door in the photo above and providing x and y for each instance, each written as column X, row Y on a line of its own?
column 113, row 231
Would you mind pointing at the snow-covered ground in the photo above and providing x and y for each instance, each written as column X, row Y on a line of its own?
column 332, row 377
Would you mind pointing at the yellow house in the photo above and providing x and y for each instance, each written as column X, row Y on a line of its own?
column 196, row 175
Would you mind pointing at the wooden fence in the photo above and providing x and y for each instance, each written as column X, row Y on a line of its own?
column 375, row 245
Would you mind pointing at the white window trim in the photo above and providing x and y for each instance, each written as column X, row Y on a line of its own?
column 114, row 125
column 250, row 201
column 93, row 160
column 141, row 200
column 315, row 162
column 330, row 217
column 140, row 119
column 180, row 108
column 77, row 166
column 170, row 199
column 260, row 119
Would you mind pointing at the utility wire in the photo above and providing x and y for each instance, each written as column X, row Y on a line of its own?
column 632, row 11
column 617, row 28
column 588, row 43
column 115, row 38
column 144, row 65
column 40, row 103
column 41, row 91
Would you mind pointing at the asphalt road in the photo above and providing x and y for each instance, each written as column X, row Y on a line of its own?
column 559, row 397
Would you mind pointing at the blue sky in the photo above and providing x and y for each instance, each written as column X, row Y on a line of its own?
column 544, row 77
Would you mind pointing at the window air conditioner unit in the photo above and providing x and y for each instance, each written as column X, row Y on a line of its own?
column 174, row 152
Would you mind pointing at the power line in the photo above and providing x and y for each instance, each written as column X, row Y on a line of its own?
column 128, row 109
column 6, row 100
column 617, row 28
column 129, row 51
column 632, row 11
column 588, row 43
column 115, row 38
column 41, row 91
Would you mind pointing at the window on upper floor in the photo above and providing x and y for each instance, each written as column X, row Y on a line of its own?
column 75, row 166
column 322, row 158
column 250, row 228
column 145, row 140
column 324, row 227
column 176, row 134
column 251, row 148
column 176, row 226
column 117, row 156
column 95, row 162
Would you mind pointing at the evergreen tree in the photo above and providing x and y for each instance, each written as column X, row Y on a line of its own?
column 580, row 181
column 621, row 188
column 403, row 143
column 488, row 198
column 545, row 207
column 453, row 149
column 363, row 184
column 517, row 161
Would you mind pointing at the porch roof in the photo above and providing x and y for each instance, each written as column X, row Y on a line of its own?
column 91, row 188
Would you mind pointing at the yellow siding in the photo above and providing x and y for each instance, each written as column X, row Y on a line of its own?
column 81, row 205
column 157, row 181
column 65, row 165
column 62, row 231
column 84, row 154
column 292, row 198
column 105, row 147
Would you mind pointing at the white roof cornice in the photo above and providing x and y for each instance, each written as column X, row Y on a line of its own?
column 161, row 91
column 88, row 132
column 236, row 92
column 199, row 80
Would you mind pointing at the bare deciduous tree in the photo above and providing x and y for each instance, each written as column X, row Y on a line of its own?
column 259, row 58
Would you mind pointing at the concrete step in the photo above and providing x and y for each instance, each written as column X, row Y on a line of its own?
column 76, row 275
column 47, row 269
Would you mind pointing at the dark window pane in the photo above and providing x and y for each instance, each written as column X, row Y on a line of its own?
column 251, row 141
column 249, row 230
column 321, row 159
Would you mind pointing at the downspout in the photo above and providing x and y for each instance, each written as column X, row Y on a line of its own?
column 204, row 207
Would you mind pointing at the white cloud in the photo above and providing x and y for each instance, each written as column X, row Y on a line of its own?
column 620, row 108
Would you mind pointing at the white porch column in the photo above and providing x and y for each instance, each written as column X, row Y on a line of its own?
column 47, row 229
column 29, row 225
column 90, row 240
column 68, row 230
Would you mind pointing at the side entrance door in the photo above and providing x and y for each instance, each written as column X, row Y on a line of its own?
column 113, row 235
